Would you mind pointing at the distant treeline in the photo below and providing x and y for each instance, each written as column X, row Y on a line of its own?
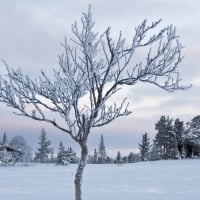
column 17, row 150
column 174, row 139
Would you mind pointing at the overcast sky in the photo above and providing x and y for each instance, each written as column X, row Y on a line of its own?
column 30, row 38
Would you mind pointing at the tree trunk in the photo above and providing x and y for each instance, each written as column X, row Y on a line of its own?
column 79, row 172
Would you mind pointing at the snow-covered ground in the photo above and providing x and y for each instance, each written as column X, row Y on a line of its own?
column 160, row 180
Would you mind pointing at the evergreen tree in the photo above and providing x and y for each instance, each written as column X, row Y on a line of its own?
column 155, row 151
column 179, row 131
column 95, row 157
column 125, row 159
column 4, row 139
column 71, row 155
column 118, row 158
column 90, row 159
column 52, row 158
column 102, row 151
column 131, row 158
column 192, row 137
column 109, row 160
column 44, row 149
column 61, row 154
column 166, row 138
column 144, row 147
column 65, row 156
column 195, row 122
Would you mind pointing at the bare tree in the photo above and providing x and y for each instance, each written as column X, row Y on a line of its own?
column 92, row 69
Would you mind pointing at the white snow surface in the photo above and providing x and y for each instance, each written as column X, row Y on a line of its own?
column 159, row 180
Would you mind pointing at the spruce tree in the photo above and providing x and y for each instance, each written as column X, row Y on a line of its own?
column 52, row 158
column 95, row 157
column 4, row 139
column 118, row 158
column 70, row 155
column 155, row 151
column 195, row 122
column 102, row 151
column 144, row 147
column 131, row 158
column 61, row 154
column 65, row 156
column 44, row 149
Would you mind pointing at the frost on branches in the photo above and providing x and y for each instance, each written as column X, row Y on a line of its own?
column 91, row 70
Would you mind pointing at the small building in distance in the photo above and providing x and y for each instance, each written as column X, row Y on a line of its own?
column 9, row 155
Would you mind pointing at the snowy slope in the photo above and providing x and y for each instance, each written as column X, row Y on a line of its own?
column 160, row 180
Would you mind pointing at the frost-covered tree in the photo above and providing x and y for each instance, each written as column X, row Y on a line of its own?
column 102, row 151
column 19, row 143
column 71, row 155
column 92, row 69
column 65, row 157
column 192, row 137
column 44, row 149
column 144, row 147
column 195, row 122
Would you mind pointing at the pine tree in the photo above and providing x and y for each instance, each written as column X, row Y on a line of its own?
column 44, row 149
column 52, row 158
column 179, row 130
column 109, row 160
column 155, row 151
column 166, row 138
column 71, row 155
column 95, row 157
column 195, row 122
column 131, row 158
column 61, row 155
column 144, row 147
column 102, row 151
column 118, row 158
column 4, row 139
column 65, row 156
column 125, row 159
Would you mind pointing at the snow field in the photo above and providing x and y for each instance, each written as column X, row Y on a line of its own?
column 160, row 180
